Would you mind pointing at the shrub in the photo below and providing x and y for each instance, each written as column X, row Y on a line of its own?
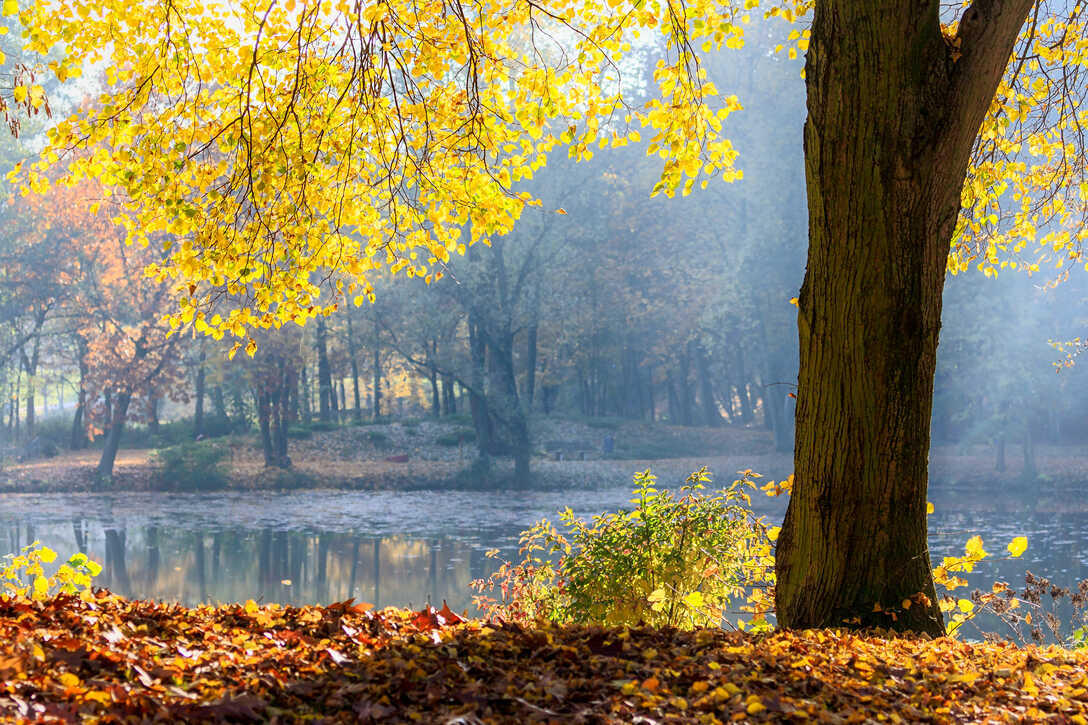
column 377, row 438
column 322, row 426
column 299, row 431
column 456, row 438
column 190, row 467
column 23, row 576
column 669, row 562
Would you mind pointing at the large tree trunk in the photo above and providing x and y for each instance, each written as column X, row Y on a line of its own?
column 893, row 114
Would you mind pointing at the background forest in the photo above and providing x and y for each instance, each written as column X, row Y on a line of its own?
column 618, row 306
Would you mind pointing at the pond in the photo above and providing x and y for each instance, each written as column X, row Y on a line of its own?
column 411, row 548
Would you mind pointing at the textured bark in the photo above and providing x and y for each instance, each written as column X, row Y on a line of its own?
column 893, row 114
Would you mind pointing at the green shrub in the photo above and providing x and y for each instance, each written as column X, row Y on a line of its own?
column 456, row 438
column 55, row 430
column 669, row 562
column 22, row 575
column 299, row 432
column 377, row 438
column 321, row 425
column 190, row 467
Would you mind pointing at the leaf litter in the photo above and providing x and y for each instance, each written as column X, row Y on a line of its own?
column 107, row 659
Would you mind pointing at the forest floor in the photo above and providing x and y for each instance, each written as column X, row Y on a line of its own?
column 110, row 659
column 570, row 454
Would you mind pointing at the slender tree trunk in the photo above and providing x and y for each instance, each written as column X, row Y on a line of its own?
column 376, row 409
column 79, row 432
column 264, row 422
column 220, row 403
column 530, row 365
column 357, row 411
column 481, row 415
column 711, row 414
column 1030, row 471
column 304, row 397
column 432, row 376
column 325, row 402
column 198, row 406
column 152, row 410
column 893, row 114
column 30, row 364
column 118, row 414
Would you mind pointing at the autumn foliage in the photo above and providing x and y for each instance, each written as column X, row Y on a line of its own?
column 66, row 658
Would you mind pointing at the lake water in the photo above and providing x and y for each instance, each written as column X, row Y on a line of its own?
column 392, row 548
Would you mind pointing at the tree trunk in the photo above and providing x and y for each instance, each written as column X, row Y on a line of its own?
column 264, row 422
column 198, row 406
column 152, row 411
column 304, row 396
column 376, row 404
column 893, row 114
column 118, row 413
column 324, row 374
column 1030, row 472
column 999, row 466
column 357, row 412
column 711, row 414
column 79, row 433
column 220, row 403
column 481, row 415
column 436, row 398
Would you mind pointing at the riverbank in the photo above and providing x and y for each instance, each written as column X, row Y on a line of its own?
column 122, row 659
column 569, row 454
column 432, row 454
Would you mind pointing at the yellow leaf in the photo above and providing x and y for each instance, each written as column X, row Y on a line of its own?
column 41, row 586
column 11, row 7
column 561, row 210
column 251, row 606
column 965, row 605
column 1018, row 546
column 929, row 507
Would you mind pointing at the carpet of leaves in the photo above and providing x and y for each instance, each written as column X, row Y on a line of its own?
column 107, row 659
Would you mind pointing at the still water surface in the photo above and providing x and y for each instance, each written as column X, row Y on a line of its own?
column 392, row 548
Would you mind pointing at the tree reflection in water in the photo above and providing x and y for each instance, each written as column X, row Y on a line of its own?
column 157, row 561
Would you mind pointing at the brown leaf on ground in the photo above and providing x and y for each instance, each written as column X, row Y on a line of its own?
column 62, row 660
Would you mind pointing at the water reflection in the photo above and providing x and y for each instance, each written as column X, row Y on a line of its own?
column 272, row 565
column 399, row 549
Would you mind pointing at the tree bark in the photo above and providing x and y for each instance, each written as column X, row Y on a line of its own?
column 118, row 414
column 893, row 114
